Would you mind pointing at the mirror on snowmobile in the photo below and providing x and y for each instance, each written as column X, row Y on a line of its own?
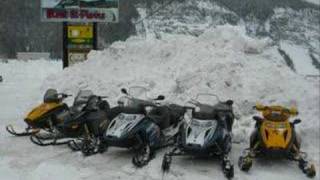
column 257, row 118
column 296, row 121
column 65, row 95
column 160, row 97
column 124, row 91
column 229, row 102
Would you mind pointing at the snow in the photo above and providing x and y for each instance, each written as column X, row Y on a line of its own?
column 300, row 57
column 49, row 3
column 317, row 2
column 223, row 61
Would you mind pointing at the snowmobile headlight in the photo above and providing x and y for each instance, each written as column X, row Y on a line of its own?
column 188, row 116
column 148, row 109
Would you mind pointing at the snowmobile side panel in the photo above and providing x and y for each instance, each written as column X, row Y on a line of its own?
column 41, row 110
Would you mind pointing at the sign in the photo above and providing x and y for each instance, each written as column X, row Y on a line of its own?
column 76, row 57
column 79, row 40
column 80, row 36
column 80, row 10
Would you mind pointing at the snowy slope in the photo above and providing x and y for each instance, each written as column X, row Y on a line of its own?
column 300, row 57
column 223, row 61
column 317, row 2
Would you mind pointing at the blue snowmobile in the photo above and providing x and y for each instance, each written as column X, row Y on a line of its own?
column 206, row 131
column 142, row 125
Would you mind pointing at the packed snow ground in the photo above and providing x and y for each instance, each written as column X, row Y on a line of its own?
column 223, row 61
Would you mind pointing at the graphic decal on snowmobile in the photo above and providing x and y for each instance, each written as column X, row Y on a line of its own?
column 123, row 122
column 199, row 131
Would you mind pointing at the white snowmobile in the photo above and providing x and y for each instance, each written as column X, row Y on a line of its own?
column 206, row 132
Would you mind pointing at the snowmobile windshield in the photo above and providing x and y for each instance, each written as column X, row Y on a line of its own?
column 51, row 95
column 82, row 97
column 204, row 106
column 137, row 98
column 277, row 116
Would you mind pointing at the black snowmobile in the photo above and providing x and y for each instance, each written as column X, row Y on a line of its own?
column 81, row 122
column 206, row 132
column 142, row 125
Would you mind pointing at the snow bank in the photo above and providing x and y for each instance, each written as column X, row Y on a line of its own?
column 223, row 61
column 16, row 105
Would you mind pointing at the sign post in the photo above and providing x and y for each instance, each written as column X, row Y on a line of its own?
column 80, row 28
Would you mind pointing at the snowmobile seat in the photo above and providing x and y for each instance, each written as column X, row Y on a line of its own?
column 161, row 116
column 223, row 107
column 204, row 115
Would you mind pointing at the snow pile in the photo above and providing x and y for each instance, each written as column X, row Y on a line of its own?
column 28, row 84
column 223, row 61
column 317, row 2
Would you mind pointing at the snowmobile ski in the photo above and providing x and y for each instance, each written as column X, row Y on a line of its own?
column 28, row 131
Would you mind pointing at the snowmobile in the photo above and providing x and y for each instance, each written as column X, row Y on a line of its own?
column 275, row 136
column 41, row 116
column 142, row 125
column 81, row 122
column 206, row 132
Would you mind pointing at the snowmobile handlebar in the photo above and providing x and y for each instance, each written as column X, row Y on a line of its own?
column 103, row 97
column 65, row 95
column 292, row 111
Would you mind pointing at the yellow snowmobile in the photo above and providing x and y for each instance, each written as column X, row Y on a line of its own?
column 275, row 136
column 41, row 117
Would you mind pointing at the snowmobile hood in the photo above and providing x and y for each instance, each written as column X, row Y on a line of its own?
column 41, row 110
column 123, row 124
column 199, row 132
column 276, row 135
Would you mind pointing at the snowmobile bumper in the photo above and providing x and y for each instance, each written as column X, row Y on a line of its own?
column 119, row 142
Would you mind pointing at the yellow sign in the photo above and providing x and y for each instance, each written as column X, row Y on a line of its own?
column 84, row 31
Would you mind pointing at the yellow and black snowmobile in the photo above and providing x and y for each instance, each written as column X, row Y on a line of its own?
column 77, row 125
column 41, row 117
column 275, row 136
